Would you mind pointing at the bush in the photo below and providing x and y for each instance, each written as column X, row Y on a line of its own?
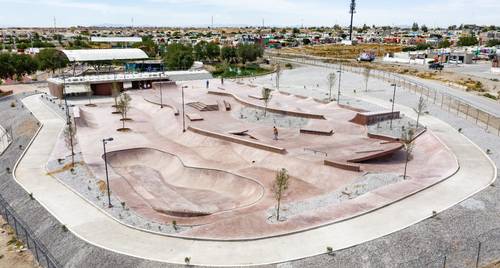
column 13, row 104
column 491, row 96
column 289, row 66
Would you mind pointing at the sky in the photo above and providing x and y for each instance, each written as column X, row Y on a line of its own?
column 246, row 13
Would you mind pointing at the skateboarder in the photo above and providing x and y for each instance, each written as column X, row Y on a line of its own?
column 208, row 84
column 275, row 131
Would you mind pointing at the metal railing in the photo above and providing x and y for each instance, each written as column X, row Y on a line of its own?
column 462, row 108
column 27, row 236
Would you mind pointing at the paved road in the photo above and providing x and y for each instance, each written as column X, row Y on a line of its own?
column 488, row 105
column 91, row 224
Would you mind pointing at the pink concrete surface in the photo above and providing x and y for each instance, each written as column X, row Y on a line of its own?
column 164, row 179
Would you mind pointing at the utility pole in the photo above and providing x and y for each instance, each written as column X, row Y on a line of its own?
column 340, row 81
column 352, row 11
column 212, row 23
column 55, row 25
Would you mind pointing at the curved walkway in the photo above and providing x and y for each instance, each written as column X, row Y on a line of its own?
column 90, row 224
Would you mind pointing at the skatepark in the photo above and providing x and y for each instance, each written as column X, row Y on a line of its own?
column 212, row 173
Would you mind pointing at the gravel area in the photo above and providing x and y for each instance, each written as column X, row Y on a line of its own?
column 81, row 179
column 368, row 182
column 272, row 119
column 399, row 127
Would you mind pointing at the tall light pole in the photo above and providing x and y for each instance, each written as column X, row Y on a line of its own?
column 104, row 141
column 393, row 101
column 340, row 79
column 161, row 91
column 352, row 11
column 183, row 110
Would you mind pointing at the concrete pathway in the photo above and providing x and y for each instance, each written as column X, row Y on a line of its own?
column 92, row 225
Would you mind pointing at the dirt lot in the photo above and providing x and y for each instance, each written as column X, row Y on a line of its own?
column 12, row 252
column 342, row 52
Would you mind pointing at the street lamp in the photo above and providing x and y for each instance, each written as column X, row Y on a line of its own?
column 161, row 91
column 183, row 111
column 340, row 79
column 393, row 100
column 104, row 141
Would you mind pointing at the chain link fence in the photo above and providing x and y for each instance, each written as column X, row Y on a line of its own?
column 27, row 236
column 447, row 102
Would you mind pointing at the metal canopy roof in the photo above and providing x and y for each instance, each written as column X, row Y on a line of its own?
column 82, row 55
column 115, row 39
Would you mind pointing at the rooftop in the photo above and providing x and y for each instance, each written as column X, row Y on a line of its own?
column 82, row 55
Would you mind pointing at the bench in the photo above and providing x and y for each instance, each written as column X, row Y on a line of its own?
column 194, row 117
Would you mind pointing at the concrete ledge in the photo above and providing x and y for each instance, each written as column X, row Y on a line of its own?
column 237, row 140
column 321, row 132
column 342, row 165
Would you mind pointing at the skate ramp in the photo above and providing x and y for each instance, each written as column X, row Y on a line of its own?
column 168, row 186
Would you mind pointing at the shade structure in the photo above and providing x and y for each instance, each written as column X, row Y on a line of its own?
column 86, row 55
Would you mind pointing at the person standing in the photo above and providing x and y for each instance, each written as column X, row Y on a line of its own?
column 208, row 84
column 275, row 132
column 222, row 80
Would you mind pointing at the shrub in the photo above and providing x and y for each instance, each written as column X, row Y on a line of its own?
column 187, row 260
column 491, row 96
column 13, row 104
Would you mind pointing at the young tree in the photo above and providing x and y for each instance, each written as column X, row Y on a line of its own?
column 267, row 94
column 115, row 93
column 366, row 75
column 281, row 183
column 88, row 88
column 332, row 77
column 421, row 106
column 278, row 75
column 123, row 107
column 70, row 139
column 408, row 140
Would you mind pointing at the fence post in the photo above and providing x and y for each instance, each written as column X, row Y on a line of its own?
column 478, row 254
column 458, row 108
column 488, row 122
column 435, row 96
column 444, row 262
column 467, row 113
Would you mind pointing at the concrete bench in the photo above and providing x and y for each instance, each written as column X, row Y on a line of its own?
column 194, row 117
column 321, row 132
column 342, row 165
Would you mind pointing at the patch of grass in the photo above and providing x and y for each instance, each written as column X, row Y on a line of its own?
column 233, row 71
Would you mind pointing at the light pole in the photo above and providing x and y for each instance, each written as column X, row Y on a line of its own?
column 161, row 91
column 104, row 141
column 183, row 111
column 340, row 79
column 393, row 100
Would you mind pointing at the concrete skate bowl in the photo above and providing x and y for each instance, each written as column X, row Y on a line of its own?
column 168, row 186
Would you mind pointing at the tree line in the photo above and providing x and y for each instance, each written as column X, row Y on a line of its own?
column 16, row 66
column 181, row 57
